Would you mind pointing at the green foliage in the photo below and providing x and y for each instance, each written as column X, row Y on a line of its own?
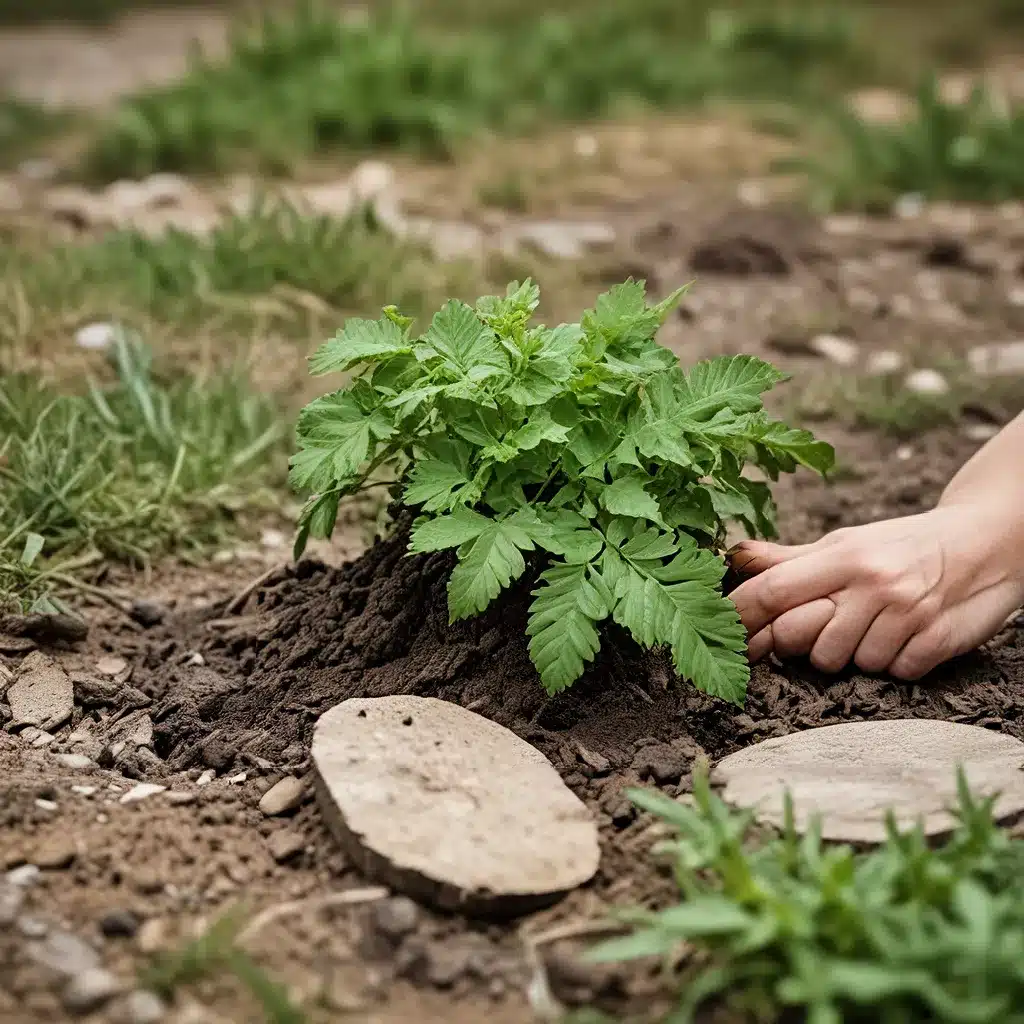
column 24, row 125
column 217, row 951
column 971, row 152
column 583, row 449
column 307, row 81
column 906, row 932
column 124, row 472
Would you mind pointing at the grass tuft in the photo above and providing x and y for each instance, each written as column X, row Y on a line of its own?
column 126, row 472
column 969, row 152
column 301, row 83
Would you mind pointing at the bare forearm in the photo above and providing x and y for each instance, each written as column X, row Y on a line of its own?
column 995, row 472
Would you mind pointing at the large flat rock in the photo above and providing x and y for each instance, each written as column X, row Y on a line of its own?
column 449, row 807
column 851, row 775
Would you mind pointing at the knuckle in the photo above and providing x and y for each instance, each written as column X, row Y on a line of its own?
column 824, row 661
column 775, row 593
column 870, row 661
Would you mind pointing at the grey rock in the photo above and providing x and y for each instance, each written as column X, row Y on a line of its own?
column 90, row 990
column 45, row 629
column 41, row 694
column 396, row 917
column 91, row 692
column 63, row 953
column 119, row 924
column 138, row 1007
column 285, row 844
column 283, row 797
column 598, row 762
column 148, row 613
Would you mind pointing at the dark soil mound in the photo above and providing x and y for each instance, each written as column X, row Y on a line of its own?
column 379, row 625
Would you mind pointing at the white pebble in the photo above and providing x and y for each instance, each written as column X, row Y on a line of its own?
column 904, row 453
column 46, row 805
column 206, row 778
column 24, row 876
column 880, row 364
column 141, row 791
column 926, row 382
column 836, row 349
column 96, row 336
column 83, row 790
column 909, row 206
column 585, row 146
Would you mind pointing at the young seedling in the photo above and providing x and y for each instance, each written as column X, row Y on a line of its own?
column 583, row 451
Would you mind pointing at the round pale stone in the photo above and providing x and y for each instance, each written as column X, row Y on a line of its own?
column 449, row 807
column 851, row 774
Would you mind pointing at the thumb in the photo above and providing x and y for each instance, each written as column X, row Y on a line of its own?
column 751, row 557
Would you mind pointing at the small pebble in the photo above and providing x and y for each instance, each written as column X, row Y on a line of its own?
column 24, row 876
column 32, row 928
column 139, row 1007
column 926, row 382
column 111, row 665
column 64, row 953
column 141, row 791
column 904, row 453
column 148, row 613
column 909, row 206
column 55, row 854
column 206, row 778
column 84, row 790
column 180, row 798
column 96, row 336
column 880, row 364
column 11, row 898
column 283, row 797
column 119, row 924
column 396, row 917
column 836, row 349
column 151, row 936
column 285, row 844
column 237, row 780
column 46, row 805
column 90, row 990
column 980, row 431
column 76, row 762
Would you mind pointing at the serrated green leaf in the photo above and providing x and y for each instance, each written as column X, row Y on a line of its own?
column 448, row 531
column 728, row 382
column 439, row 486
column 487, row 564
column 799, row 445
column 563, row 623
column 360, row 341
column 628, row 496
column 465, row 343
column 702, row 628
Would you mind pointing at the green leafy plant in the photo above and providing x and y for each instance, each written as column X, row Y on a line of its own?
column 906, row 932
column 584, row 449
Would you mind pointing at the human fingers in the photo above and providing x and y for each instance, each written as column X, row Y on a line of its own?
column 795, row 632
column 887, row 635
column 755, row 556
column 957, row 630
column 855, row 611
column 763, row 598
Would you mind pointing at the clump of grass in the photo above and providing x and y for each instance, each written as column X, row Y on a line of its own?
column 271, row 266
column 971, row 151
column 307, row 81
column 217, row 951
column 24, row 126
column 787, row 925
column 128, row 471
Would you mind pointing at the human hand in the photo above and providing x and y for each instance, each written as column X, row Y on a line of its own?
column 900, row 596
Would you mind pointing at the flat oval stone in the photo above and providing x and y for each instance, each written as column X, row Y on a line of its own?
column 449, row 807
column 853, row 773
